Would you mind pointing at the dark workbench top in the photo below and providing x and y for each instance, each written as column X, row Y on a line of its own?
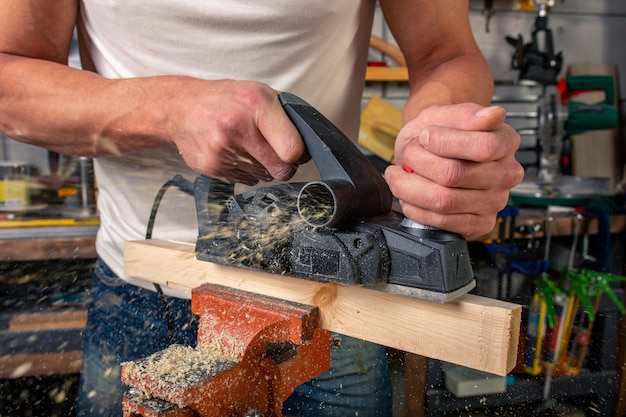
column 42, row 314
column 45, row 238
column 45, row 272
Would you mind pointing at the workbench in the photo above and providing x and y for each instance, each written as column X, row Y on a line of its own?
column 37, row 240
column 46, row 272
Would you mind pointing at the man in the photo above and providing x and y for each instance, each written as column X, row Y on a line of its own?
column 187, row 86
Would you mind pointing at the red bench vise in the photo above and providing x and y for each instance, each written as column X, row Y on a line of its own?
column 252, row 352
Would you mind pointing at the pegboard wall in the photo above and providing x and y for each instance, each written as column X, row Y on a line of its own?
column 586, row 31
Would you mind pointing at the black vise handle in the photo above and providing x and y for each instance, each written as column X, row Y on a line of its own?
column 351, row 187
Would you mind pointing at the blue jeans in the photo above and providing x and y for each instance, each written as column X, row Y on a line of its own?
column 126, row 323
column 357, row 384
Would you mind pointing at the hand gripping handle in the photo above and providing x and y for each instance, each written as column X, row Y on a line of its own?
column 350, row 186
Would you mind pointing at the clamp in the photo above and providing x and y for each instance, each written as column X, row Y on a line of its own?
column 252, row 352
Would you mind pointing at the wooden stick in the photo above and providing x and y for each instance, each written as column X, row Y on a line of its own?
column 476, row 332
column 386, row 48
column 34, row 364
column 399, row 74
column 48, row 320
column 13, row 250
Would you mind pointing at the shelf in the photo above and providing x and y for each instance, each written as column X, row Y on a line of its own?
column 41, row 352
column 43, row 239
column 383, row 74
column 53, row 248
column 562, row 225
column 42, row 316
column 527, row 391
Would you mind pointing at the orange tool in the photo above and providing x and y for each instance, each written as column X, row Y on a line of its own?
column 252, row 352
column 525, row 5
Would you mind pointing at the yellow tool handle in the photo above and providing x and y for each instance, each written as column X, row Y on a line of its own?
column 525, row 5
column 49, row 222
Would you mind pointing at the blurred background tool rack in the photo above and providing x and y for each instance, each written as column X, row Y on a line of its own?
column 594, row 390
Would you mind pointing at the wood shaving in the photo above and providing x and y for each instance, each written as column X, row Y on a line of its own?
column 178, row 365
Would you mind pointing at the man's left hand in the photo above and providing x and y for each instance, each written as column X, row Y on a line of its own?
column 455, row 166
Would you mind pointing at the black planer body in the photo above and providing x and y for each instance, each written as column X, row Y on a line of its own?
column 340, row 228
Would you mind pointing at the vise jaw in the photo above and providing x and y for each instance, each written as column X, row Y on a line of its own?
column 252, row 352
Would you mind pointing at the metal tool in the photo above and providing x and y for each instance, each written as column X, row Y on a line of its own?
column 559, row 117
column 340, row 228
column 252, row 352
column 489, row 13
column 536, row 60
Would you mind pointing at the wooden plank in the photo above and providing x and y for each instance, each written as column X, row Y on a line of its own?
column 415, row 375
column 48, row 320
column 373, row 73
column 42, row 249
column 474, row 331
column 32, row 364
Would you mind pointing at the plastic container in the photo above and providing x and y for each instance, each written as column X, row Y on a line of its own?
column 14, row 185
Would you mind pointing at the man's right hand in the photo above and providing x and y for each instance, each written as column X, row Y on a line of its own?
column 235, row 130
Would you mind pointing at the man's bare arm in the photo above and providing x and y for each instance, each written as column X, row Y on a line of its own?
column 445, row 64
column 225, row 128
column 461, row 154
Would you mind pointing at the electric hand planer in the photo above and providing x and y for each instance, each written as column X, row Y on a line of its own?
column 340, row 228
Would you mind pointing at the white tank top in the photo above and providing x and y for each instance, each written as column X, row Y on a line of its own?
column 314, row 49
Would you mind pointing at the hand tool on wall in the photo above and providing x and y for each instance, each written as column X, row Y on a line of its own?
column 577, row 296
column 536, row 60
column 388, row 49
column 586, row 289
column 340, row 228
column 488, row 12
column 379, row 70
column 561, row 319
column 555, row 347
column 541, row 311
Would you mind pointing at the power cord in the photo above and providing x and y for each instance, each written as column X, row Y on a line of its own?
column 185, row 186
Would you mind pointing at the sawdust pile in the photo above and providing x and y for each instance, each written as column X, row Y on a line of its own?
column 221, row 344
column 178, row 365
